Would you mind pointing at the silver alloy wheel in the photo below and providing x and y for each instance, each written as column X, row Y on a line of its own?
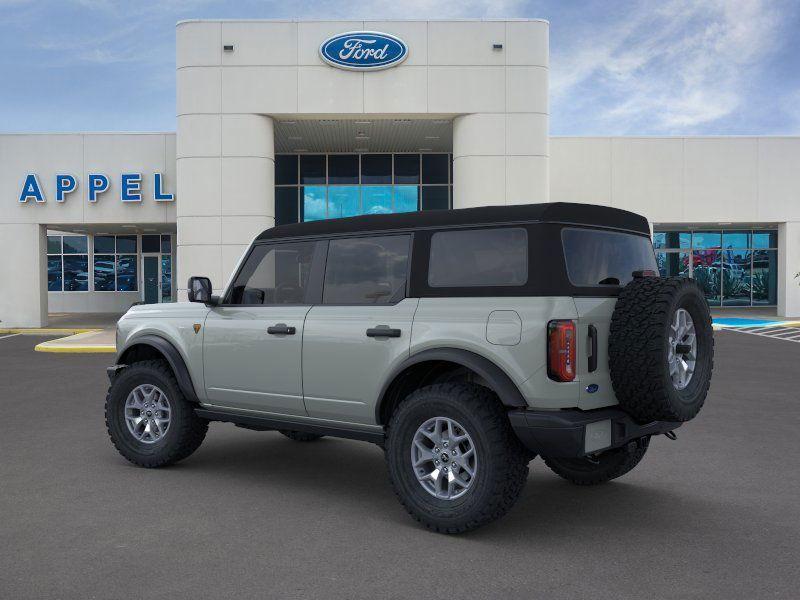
column 443, row 458
column 682, row 351
column 147, row 413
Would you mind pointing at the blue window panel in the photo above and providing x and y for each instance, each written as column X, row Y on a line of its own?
column 406, row 198
column 75, row 244
column 166, row 278
column 765, row 277
column 312, row 168
column 54, row 244
column 54, row 279
column 104, row 244
column 376, row 199
column 150, row 243
column 313, row 202
column 104, row 272
column 76, row 273
column 736, row 239
column 707, row 272
column 406, row 168
column 126, row 274
column 765, row 239
column 126, row 244
column 707, row 239
column 672, row 239
column 343, row 201
column 736, row 277
column 166, row 244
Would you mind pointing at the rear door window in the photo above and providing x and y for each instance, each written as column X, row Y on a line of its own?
column 479, row 257
column 600, row 258
column 368, row 270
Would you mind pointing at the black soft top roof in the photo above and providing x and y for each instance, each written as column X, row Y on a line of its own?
column 554, row 212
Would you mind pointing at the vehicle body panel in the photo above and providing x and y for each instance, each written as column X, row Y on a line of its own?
column 596, row 312
column 246, row 367
column 344, row 369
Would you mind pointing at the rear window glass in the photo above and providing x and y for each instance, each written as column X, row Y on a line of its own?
column 605, row 257
column 479, row 257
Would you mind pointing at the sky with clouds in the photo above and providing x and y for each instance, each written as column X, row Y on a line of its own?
column 668, row 67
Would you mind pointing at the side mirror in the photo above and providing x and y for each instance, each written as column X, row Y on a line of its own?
column 199, row 290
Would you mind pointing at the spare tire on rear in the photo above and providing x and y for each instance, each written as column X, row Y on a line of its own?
column 661, row 349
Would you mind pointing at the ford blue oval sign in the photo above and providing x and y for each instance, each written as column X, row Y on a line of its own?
column 363, row 50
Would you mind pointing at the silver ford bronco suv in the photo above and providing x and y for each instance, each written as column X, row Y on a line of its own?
column 465, row 343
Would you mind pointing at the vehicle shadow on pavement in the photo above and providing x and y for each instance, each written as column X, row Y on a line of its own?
column 350, row 477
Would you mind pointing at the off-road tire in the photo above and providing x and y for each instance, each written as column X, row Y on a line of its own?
column 602, row 468
column 638, row 349
column 503, row 462
column 186, row 430
column 300, row 436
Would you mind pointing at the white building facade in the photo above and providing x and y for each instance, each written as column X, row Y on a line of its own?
column 281, row 121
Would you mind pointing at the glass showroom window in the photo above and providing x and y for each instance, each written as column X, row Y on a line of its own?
column 67, row 263
column 311, row 187
column 734, row 267
column 115, row 263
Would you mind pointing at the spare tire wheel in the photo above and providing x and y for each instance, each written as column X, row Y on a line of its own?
column 661, row 349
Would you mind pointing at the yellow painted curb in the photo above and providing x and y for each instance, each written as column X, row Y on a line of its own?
column 44, row 347
column 46, row 331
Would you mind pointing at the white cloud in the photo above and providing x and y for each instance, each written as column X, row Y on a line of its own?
column 669, row 66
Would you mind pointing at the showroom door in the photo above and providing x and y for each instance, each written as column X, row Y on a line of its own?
column 151, row 278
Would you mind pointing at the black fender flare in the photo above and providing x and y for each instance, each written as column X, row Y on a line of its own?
column 496, row 377
column 174, row 358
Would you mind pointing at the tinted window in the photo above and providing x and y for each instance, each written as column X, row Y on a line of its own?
column 479, row 257
column 406, row 168
column 434, row 168
column 434, row 197
column 285, row 169
column 285, row 205
column 376, row 168
column 366, row 270
column 343, row 168
column 312, row 168
column 126, row 244
column 104, row 244
column 75, row 244
column 151, row 243
column 54, row 244
column 605, row 257
column 276, row 274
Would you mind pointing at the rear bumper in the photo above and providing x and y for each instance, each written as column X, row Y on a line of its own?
column 574, row 433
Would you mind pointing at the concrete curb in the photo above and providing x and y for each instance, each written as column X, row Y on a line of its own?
column 46, row 331
column 61, row 349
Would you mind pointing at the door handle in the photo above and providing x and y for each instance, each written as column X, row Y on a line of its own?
column 593, row 346
column 383, row 331
column 281, row 329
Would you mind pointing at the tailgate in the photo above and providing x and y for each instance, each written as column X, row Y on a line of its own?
column 594, row 320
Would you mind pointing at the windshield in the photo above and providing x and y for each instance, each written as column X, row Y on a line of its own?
column 595, row 257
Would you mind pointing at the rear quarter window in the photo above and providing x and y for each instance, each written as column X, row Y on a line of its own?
column 479, row 257
column 605, row 258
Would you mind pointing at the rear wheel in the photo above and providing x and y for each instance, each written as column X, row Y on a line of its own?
column 454, row 461
column 592, row 470
column 149, row 420
column 300, row 436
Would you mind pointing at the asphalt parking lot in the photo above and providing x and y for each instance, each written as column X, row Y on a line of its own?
column 715, row 514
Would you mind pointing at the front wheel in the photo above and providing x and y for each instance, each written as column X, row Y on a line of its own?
column 454, row 461
column 593, row 470
column 148, row 419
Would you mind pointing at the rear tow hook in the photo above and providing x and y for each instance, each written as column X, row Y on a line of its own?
column 671, row 435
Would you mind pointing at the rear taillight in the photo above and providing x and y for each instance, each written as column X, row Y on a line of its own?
column 561, row 350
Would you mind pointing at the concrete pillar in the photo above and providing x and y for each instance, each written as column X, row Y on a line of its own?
column 788, row 266
column 226, row 178
column 500, row 159
column 23, row 272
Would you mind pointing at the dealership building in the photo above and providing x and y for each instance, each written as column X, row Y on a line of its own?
column 284, row 121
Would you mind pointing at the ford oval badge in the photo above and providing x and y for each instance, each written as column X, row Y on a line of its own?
column 592, row 388
column 363, row 50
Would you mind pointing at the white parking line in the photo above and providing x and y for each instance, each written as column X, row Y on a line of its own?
column 2, row 337
column 790, row 334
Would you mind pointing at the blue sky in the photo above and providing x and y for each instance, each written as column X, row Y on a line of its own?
column 617, row 68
